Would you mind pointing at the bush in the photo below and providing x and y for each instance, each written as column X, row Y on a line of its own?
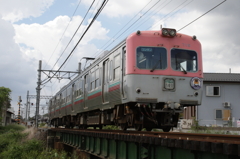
column 10, row 137
column 15, row 127
column 110, row 127
column 14, row 145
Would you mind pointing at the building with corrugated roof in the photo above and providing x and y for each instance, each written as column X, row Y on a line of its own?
column 220, row 102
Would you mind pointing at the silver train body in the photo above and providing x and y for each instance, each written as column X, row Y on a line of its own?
column 135, row 85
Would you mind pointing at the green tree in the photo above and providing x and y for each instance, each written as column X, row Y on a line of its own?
column 4, row 99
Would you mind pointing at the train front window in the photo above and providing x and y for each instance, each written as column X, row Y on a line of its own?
column 184, row 60
column 151, row 58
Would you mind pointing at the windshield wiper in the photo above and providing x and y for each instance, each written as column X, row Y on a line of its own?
column 183, row 70
column 155, row 66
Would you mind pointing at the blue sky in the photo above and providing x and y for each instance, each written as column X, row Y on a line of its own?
column 31, row 31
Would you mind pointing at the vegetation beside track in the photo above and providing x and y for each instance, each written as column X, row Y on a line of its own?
column 16, row 141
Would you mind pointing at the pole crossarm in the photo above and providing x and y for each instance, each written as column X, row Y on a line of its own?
column 59, row 74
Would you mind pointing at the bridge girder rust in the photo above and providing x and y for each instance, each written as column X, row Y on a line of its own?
column 111, row 145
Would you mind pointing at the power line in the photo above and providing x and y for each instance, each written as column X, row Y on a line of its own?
column 74, row 33
column 64, row 32
column 94, row 18
column 202, row 15
column 122, row 28
column 71, row 39
column 171, row 13
column 88, row 18
column 144, row 21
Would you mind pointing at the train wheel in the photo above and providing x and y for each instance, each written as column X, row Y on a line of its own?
column 123, row 126
column 166, row 129
column 138, row 127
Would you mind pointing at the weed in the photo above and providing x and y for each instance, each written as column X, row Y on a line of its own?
column 111, row 127
column 16, row 144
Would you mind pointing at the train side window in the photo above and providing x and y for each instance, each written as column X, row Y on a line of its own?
column 60, row 99
column 87, row 86
column 100, row 76
column 92, row 79
column 116, row 71
column 80, row 88
column 68, row 94
column 97, row 78
column 110, row 71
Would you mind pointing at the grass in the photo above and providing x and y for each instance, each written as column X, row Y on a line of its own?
column 16, row 144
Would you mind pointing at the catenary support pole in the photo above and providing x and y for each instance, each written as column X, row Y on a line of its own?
column 26, row 114
column 38, row 89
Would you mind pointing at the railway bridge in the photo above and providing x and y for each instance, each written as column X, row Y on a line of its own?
column 114, row 144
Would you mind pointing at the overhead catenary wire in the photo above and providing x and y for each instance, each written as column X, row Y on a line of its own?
column 72, row 37
column 88, row 18
column 122, row 28
column 141, row 18
column 171, row 13
column 74, row 33
column 78, row 27
column 133, row 23
column 202, row 15
column 64, row 32
column 94, row 18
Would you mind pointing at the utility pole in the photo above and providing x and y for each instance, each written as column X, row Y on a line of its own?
column 26, row 116
column 51, row 74
column 38, row 92
column 19, row 106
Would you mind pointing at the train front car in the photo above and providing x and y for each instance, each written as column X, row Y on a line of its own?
column 163, row 75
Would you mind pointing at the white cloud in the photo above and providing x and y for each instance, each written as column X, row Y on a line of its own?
column 14, row 11
column 40, row 41
column 116, row 8
column 17, row 73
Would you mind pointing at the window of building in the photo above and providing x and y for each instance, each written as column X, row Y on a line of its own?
column 116, row 71
column 223, row 114
column 212, row 90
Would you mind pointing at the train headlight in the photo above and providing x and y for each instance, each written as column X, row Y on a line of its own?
column 167, row 32
column 172, row 32
column 195, row 83
column 169, row 83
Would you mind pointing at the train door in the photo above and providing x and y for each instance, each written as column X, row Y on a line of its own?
column 85, row 91
column 105, row 82
column 123, row 70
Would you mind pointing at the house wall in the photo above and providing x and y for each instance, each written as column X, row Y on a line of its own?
column 229, row 92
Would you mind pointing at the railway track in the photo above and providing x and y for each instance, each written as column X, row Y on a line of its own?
column 213, row 138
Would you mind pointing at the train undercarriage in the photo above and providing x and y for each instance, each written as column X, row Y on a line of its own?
column 131, row 115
